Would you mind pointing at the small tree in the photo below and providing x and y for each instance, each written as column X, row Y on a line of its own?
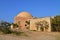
column 56, row 23
column 5, row 24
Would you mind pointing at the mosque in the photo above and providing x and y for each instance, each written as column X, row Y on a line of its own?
column 26, row 21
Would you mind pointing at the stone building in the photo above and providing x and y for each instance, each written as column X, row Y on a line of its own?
column 26, row 21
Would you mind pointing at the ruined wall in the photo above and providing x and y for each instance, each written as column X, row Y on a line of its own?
column 33, row 21
column 21, row 22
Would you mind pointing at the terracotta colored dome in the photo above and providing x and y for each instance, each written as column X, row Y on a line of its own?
column 25, row 15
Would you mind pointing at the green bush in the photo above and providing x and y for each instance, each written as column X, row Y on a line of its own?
column 6, row 31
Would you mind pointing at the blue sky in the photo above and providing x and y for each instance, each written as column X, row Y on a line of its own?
column 38, row 8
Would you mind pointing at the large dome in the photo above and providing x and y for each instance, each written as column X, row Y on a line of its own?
column 25, row 15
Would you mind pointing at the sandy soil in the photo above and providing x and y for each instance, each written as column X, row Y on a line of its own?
column 32, row 36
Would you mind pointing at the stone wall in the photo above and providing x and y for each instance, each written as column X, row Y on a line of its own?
column 33, row 21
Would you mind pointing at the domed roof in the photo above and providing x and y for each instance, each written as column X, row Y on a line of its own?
column 24, row 15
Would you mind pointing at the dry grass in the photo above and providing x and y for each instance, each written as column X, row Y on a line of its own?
column 33, row 36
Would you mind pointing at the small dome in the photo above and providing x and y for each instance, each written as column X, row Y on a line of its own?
column 25, row 15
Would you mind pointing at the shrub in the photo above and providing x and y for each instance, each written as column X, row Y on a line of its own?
column 34, row 30
column 16, row 33
column 19, row 33
column 6, row 31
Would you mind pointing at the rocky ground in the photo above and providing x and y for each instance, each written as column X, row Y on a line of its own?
column 32, row 36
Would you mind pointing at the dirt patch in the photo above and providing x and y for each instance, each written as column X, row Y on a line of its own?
column 33, row 36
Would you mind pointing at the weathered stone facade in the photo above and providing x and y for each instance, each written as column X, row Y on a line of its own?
column 45, row 21
column 25, row 21
column 21, row 19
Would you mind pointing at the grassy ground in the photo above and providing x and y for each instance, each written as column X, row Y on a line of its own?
column 32, row 36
